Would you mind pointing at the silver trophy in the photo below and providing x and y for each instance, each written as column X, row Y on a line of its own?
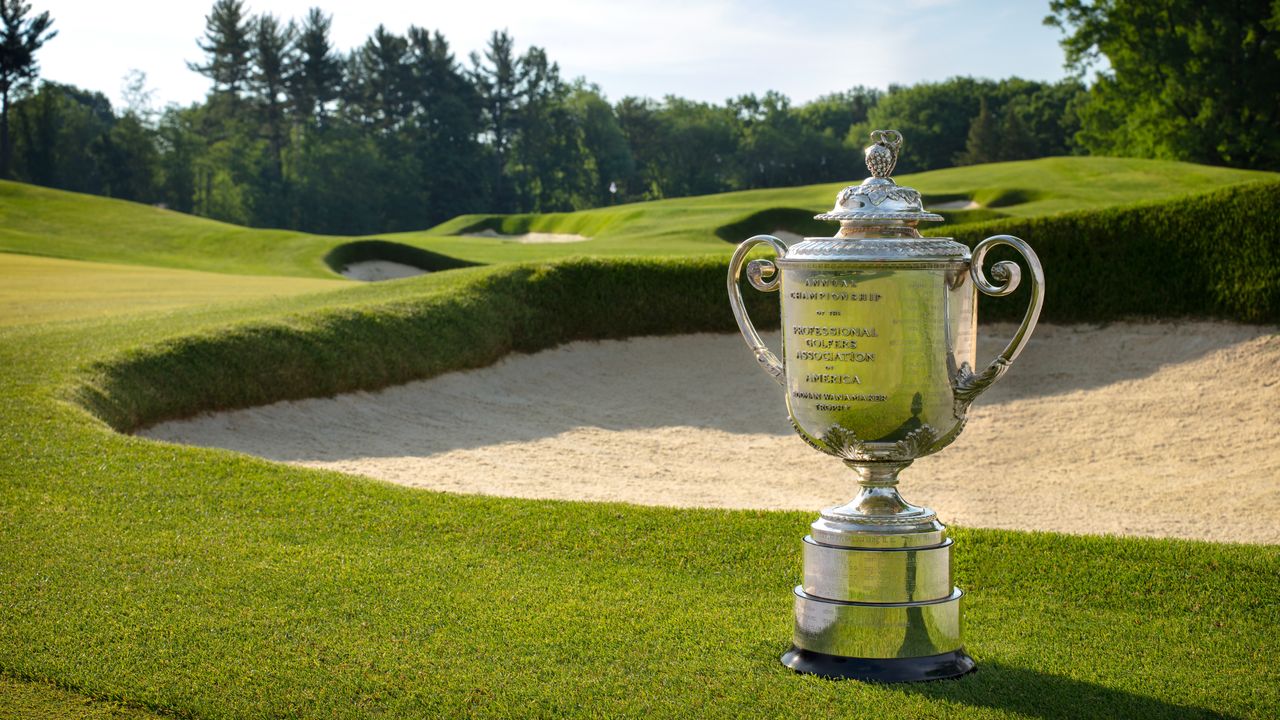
column 878, row 340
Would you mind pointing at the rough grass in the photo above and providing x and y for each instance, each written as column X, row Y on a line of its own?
column 40, row 221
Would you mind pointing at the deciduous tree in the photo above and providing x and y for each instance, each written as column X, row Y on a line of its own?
column 1183, row 79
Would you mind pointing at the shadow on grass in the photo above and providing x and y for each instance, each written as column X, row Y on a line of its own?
column 1052, row 697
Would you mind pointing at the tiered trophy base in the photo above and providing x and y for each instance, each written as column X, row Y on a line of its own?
column 877, row 603
column 883, row 670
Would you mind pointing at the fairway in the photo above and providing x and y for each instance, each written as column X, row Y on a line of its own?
column 41, row 290
column 48, row 222
column 142, row 578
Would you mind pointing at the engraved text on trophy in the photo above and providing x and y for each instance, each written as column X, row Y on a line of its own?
column 868, row 352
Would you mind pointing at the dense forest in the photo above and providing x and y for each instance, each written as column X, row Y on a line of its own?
column 400, row 134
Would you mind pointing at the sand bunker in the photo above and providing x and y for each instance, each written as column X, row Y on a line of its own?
column 530, row 238
column 955, row 205
column 376, row 270
column 1137, row 429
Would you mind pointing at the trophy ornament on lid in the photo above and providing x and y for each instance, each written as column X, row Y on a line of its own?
column 879, row 330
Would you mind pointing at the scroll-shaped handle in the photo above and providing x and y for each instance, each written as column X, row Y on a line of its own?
column 969, row 384
column 763, row 275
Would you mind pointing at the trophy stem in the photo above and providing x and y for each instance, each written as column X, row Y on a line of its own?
column 878, row 492
column 878, row 515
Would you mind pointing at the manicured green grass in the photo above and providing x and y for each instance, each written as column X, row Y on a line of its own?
column 1049, row 185
column 138, row 577
column 41, row 290
column 202, row 583
column 67, row 225
column 54, row 223
column 39, row 701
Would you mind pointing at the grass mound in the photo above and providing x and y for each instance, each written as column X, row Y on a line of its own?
column 1006, row 197
column 56, row 223
column 1213, row 254
column 366, row 250
column 586, row 223
column 965, row 217
column 767, row 222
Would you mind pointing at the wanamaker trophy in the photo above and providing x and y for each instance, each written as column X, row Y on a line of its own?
column 879, row 326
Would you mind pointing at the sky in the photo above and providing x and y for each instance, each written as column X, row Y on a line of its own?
column 707, row 50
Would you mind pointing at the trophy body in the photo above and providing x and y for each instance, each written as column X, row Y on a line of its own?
column 879, row 330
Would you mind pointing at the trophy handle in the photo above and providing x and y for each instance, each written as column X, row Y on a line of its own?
column 969, row 384
column 764, row 277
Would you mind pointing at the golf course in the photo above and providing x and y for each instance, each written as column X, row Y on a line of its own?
column 141, row 578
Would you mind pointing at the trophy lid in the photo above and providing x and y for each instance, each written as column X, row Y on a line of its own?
column 879, row 200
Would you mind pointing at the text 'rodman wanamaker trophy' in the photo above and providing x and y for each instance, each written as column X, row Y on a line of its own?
column 878, row 341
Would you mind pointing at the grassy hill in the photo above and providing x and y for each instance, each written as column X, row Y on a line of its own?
column 53, row 223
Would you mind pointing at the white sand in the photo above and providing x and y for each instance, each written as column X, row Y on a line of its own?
column 530, row 238
column 376, row 270
column 1137, row 429
column 955, row 205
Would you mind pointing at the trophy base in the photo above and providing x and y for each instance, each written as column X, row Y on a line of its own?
column 880, row 670
column 877, row 602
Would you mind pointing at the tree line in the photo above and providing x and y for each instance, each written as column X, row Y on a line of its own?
column 399, row 134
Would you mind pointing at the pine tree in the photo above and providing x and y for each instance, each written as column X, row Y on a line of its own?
column 20, row 38
column 272, row 65
column 228, row 47
column 1016, row 142
column 381, row 81
column 317, row 78
column 498, row 81
column 983, row 145
column 548, row 154
column 445, row 129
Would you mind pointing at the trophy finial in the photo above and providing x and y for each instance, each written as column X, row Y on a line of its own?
column 882, row 155
column 879, row 200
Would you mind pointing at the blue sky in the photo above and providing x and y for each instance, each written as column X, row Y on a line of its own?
column 702, row 50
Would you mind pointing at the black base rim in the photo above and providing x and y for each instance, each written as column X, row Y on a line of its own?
column 880, row 670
